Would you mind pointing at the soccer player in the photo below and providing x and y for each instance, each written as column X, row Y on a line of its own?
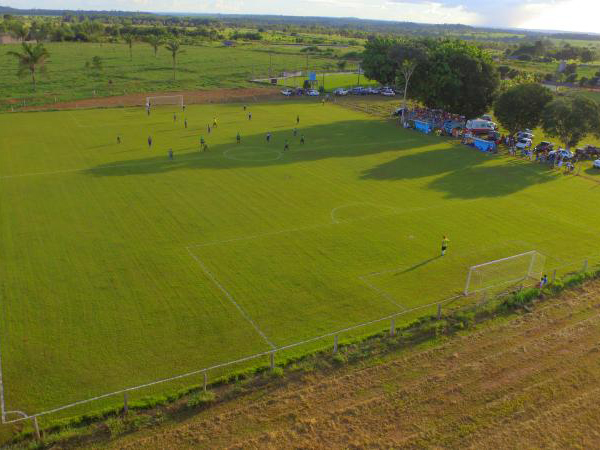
column 149, row 141
column 118, row 139
column 297, row 120
column 302, row 139
column 269, row 137
column 249, row 116
column 238, row 138
column 205, row 148
column 244, row 107
column 171, row 153
column 214, row 122
column 286, row 146
column 445, row 242
column 201, row 141
column 183, row 108
column 208, row 128
column 295, row 132
column 185, row 123
column 174, row 117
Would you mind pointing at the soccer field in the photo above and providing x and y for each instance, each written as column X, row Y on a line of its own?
column 120, row 266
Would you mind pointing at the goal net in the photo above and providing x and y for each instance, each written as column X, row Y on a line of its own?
column 525, row 268
column 165, row 100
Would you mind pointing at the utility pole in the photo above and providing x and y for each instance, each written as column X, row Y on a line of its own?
column 358, row 74
column 270, row 64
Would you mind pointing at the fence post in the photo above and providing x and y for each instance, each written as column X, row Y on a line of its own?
column 393, row 327
column 36, row 427
column 125, row 405
column 335, row 344
column 439, row 311
column 554, row 276
column 205, row 380
column 585, row 265
column 272, row 356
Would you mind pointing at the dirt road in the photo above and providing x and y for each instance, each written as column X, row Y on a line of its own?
column 532, row 381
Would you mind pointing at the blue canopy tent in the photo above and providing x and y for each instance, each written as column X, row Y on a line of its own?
column 484, row 146
column 423, row 127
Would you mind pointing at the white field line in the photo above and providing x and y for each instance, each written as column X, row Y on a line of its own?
column 237, row 361
column 384, row 294
column 228, row 295
column 2, row 406
column 286, row 347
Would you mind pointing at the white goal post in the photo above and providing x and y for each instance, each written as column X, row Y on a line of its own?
column 165, row 100
column 511, row 270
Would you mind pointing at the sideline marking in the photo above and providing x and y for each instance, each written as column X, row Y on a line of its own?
column 2, row 407
column 230, row 298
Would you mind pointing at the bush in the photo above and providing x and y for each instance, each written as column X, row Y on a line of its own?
column 201, row 398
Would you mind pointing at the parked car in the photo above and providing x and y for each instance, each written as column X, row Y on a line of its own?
column 486, row 117
column 388, row 92
column 287, row 92
column 597, row 164
column 562, row 153
column 312, row 93
column 479, row 126
column 299, row 91
column 523, row 143
column 525, row 134
column 340, row 91
column 358, row 90
column 374, row 90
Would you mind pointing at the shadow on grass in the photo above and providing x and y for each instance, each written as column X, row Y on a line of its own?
column 338, row 140
column 421, row 264
column 495, row 181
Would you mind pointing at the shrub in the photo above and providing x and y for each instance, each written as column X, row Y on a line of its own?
column 201, row 398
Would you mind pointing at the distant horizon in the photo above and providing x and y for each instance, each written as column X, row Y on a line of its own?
column 570, row 16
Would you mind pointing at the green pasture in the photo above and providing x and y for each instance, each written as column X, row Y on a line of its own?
column 199, row 67
column 330, row 81
column 120, row 266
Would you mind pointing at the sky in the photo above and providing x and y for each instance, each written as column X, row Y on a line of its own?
column 567, row 15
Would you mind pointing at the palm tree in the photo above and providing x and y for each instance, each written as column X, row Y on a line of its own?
column 129, row 39
column 175, row 48
column 155, row 42
column 33, row 59
column 20, row 31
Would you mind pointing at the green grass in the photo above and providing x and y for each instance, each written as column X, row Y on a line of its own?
column 110, row 252
column 200, row 67
column 331, row 81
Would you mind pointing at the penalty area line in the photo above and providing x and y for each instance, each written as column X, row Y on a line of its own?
column 229, row 297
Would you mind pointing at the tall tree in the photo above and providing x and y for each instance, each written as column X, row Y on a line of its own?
column 32, row 60
column 521, row 106
column 457, row 77
column 570, row 119
column 155, row 42
column 129, row 40
column 19, row 31
column 407, row 55
column 377, row 64
column 175, row 48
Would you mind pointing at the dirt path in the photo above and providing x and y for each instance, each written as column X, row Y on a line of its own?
column 531, row 382
column 189, row 97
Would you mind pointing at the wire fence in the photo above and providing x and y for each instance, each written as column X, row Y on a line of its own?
column 395, row 321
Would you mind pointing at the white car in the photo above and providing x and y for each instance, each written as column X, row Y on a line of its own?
column 287, row 92
column 524, row 135
column 340, row 91
column 313, row 93
column 597, row 164
column 387, row 93
column 523, row 143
